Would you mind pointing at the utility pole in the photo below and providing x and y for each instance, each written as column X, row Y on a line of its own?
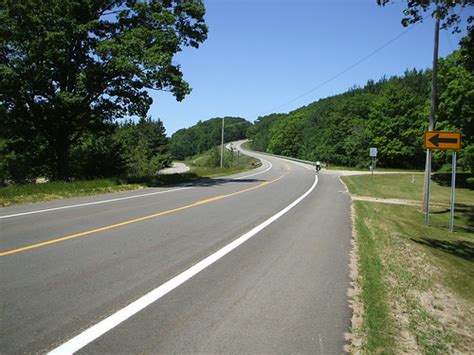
column 431, row 127
column 222, row 144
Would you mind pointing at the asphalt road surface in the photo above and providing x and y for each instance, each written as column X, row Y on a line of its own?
column 252, row 263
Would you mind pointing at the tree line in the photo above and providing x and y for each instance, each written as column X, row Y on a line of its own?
column 71, row 72
column 390, row 114
column 71, row 69
column 205, row 135
column 129, row 148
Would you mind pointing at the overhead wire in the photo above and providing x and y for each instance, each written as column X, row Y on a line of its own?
column 371, row 54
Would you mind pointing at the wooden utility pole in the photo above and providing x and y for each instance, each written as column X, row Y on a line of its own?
column 222, row 144
column 431, row 127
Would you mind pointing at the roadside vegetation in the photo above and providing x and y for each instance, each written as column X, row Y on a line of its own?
column 208, row 163
column 202, row 166
column 416, row 282
column 409, row 186
column 65, row 105
column 390, row 113
column 204, row 135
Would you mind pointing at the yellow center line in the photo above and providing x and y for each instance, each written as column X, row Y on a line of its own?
column 130, row 221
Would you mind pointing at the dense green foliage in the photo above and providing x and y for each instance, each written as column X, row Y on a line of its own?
column 390, row 114
column 144, row 146
column 131, row 149
column 204, row 135
column 448, row 11
column 69, row 68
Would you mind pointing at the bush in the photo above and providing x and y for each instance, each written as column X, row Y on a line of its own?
column 470, row 183
column 20, row 161
column 444, row 179
column 466, row 160
column 212, row 159
column 97, row 157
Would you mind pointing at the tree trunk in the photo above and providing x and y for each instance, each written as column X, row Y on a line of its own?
column 61, row 150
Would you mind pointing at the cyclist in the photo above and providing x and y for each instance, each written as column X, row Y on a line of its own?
column 318, row 166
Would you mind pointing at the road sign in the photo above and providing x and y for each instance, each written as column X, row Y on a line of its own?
column 442, row 140
column 373, row 152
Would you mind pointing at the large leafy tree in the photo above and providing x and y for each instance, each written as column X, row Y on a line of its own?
column 396, row 124
column 68, row 67
column 446, row 10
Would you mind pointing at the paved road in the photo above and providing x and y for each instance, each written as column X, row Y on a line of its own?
column 69, row 265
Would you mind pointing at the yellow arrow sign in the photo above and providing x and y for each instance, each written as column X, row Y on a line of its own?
column 442, row 140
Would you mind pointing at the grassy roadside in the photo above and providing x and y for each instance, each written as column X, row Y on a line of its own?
column 404, row 186
column 201, row 166
column 416, row 282
column 30, row 193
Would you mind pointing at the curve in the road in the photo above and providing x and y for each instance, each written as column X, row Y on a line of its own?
column 122, row 198
column 291, row 276
column 130, row 221
column 97, row 330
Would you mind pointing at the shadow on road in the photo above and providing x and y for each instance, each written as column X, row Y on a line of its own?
column 184, row 179
column 213, row 182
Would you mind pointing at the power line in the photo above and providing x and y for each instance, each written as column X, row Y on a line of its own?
column 449, row 40
column 340, row 73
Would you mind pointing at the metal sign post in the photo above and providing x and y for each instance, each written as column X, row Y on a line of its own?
column 453, row 188
column 443, row 141
column 373, row 155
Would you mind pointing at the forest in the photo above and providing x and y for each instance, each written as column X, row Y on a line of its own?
column 390, row 114
column 205, row 135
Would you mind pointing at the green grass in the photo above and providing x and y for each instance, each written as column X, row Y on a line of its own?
column 405, row 266
column 29, row 193
column 403, row 186
column 453, row 251
column 203, row 165
column 353, row 168
column 377, row 324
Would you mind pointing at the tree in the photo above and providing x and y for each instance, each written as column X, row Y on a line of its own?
column 286, row 137
column 144, row 145
column 259, row 133
column 467, row 50
column 99, row 155
column 68, row 67
column 396, row 126
column 445, row 10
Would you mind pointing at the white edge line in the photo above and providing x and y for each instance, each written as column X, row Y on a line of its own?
column 261, row 172
column 92, row 203
column 303, row 165
column 121, row 198
column 97, row 330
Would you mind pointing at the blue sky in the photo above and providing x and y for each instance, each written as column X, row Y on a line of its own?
column 261, row 54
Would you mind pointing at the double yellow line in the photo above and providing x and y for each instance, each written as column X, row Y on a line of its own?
column 130, row 221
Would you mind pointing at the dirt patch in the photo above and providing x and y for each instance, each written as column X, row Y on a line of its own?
column 428, row 316
column 393, row 201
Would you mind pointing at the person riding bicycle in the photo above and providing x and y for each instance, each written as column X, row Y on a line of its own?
column 318, row 166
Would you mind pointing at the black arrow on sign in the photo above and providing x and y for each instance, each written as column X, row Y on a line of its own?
column 436, row 140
